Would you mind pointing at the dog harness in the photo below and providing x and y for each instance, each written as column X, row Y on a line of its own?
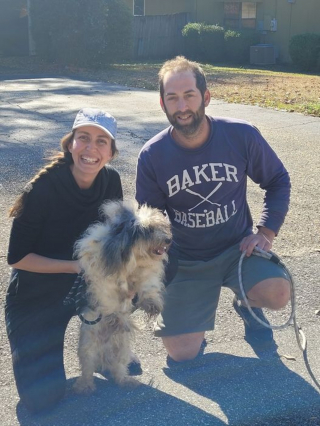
column 77, row 295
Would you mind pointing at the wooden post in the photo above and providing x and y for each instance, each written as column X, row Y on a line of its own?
column 32, row 46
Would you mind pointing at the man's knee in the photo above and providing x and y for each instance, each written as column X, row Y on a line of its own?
column 273, row 293
column 282, row 295
column 183, row 347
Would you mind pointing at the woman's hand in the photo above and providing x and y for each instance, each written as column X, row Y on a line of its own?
column 262, row 239
column 76, row 266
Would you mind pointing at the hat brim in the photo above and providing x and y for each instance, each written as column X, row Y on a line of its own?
column 94, row 125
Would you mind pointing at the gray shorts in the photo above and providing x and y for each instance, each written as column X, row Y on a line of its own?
column 191, row 299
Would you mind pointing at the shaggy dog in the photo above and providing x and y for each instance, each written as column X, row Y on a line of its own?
column 122, row 256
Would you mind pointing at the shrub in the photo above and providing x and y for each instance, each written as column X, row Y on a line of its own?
column 81, row 32
column 212, row 43
column 304, row 50
column 13, row 29
column 237, row 45
column 191, row 34
column 119, row 31
column 204, row 42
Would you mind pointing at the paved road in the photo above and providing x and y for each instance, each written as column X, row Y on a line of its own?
column 231, row 384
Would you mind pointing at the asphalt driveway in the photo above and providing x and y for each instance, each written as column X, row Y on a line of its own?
column 230, row 384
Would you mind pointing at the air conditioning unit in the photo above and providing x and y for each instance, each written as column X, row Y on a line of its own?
column 262, row 54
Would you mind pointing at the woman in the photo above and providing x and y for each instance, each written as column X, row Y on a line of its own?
column 60, row 202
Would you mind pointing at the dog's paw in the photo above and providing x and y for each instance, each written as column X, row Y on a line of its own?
column 127, row 381
column 117, row 324
column 113, row 321
column 151, row 307
column 83, row 386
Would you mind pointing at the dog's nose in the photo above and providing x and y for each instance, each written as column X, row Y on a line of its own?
column 168, row 241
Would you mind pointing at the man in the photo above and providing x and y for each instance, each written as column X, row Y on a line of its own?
column 196, row 171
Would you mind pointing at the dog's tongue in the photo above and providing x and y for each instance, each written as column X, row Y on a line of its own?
column 160, row 250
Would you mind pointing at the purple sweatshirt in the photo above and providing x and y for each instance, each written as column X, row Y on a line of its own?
column 204, row 190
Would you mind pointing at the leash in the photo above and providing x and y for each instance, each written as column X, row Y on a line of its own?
column 77, row 295
column 300, row 336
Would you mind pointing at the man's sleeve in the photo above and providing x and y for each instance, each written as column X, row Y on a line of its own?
column 266, row 169
column 148, row 189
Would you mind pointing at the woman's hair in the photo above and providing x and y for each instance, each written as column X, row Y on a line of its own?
column 181, row 64
column 57, row 159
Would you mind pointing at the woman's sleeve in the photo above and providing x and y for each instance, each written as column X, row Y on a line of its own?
column 27, row 228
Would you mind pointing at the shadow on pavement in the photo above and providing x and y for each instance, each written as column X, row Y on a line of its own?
column 252, row 391
column 249, row 391
column 111, row 405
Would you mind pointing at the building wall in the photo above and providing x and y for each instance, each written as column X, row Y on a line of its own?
column 130, row 4
column 166, row 7
column 287, row 18
column 291, row 18
column 209, row 11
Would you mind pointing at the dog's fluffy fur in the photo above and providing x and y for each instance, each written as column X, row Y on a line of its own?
column 122, row 256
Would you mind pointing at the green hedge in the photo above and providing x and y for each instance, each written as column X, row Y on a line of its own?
column 82, row 32
column 213, row 44
column 191, row 34
column 204, row 42
column 304, row 50
column 13, row 29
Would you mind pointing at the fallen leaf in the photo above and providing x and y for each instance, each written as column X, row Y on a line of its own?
column 288, row 357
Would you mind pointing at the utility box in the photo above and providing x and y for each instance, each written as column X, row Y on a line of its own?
column 262, row 54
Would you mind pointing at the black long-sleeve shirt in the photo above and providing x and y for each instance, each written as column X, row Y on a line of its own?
column 57, row 212
column 55, row 215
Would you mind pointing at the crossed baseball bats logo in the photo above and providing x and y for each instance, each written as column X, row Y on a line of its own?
column 204, row 198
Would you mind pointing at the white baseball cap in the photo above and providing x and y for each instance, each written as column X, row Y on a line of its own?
column 97, row 118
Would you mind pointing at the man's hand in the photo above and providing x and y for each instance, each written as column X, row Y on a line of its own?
column 262, row 239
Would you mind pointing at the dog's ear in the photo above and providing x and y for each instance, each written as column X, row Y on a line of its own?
column 116, row 250
column 110, row 209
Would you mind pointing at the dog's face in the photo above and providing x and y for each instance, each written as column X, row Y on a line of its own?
column 152, row 232
column 141, row 232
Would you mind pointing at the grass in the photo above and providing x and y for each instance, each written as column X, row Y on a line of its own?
column 279, row 88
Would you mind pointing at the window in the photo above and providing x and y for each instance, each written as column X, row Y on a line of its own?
column 232, row 13
column 248, row 15
column 240, row 15
column 138, row 7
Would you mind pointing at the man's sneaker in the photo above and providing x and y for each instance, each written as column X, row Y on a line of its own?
column 134, row 368
column 257, row 335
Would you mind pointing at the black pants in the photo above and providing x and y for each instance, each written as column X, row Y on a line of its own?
column 36, row 329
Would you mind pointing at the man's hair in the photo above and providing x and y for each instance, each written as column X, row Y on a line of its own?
column 181, row 64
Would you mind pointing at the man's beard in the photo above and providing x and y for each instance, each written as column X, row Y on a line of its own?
column 187, row 129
